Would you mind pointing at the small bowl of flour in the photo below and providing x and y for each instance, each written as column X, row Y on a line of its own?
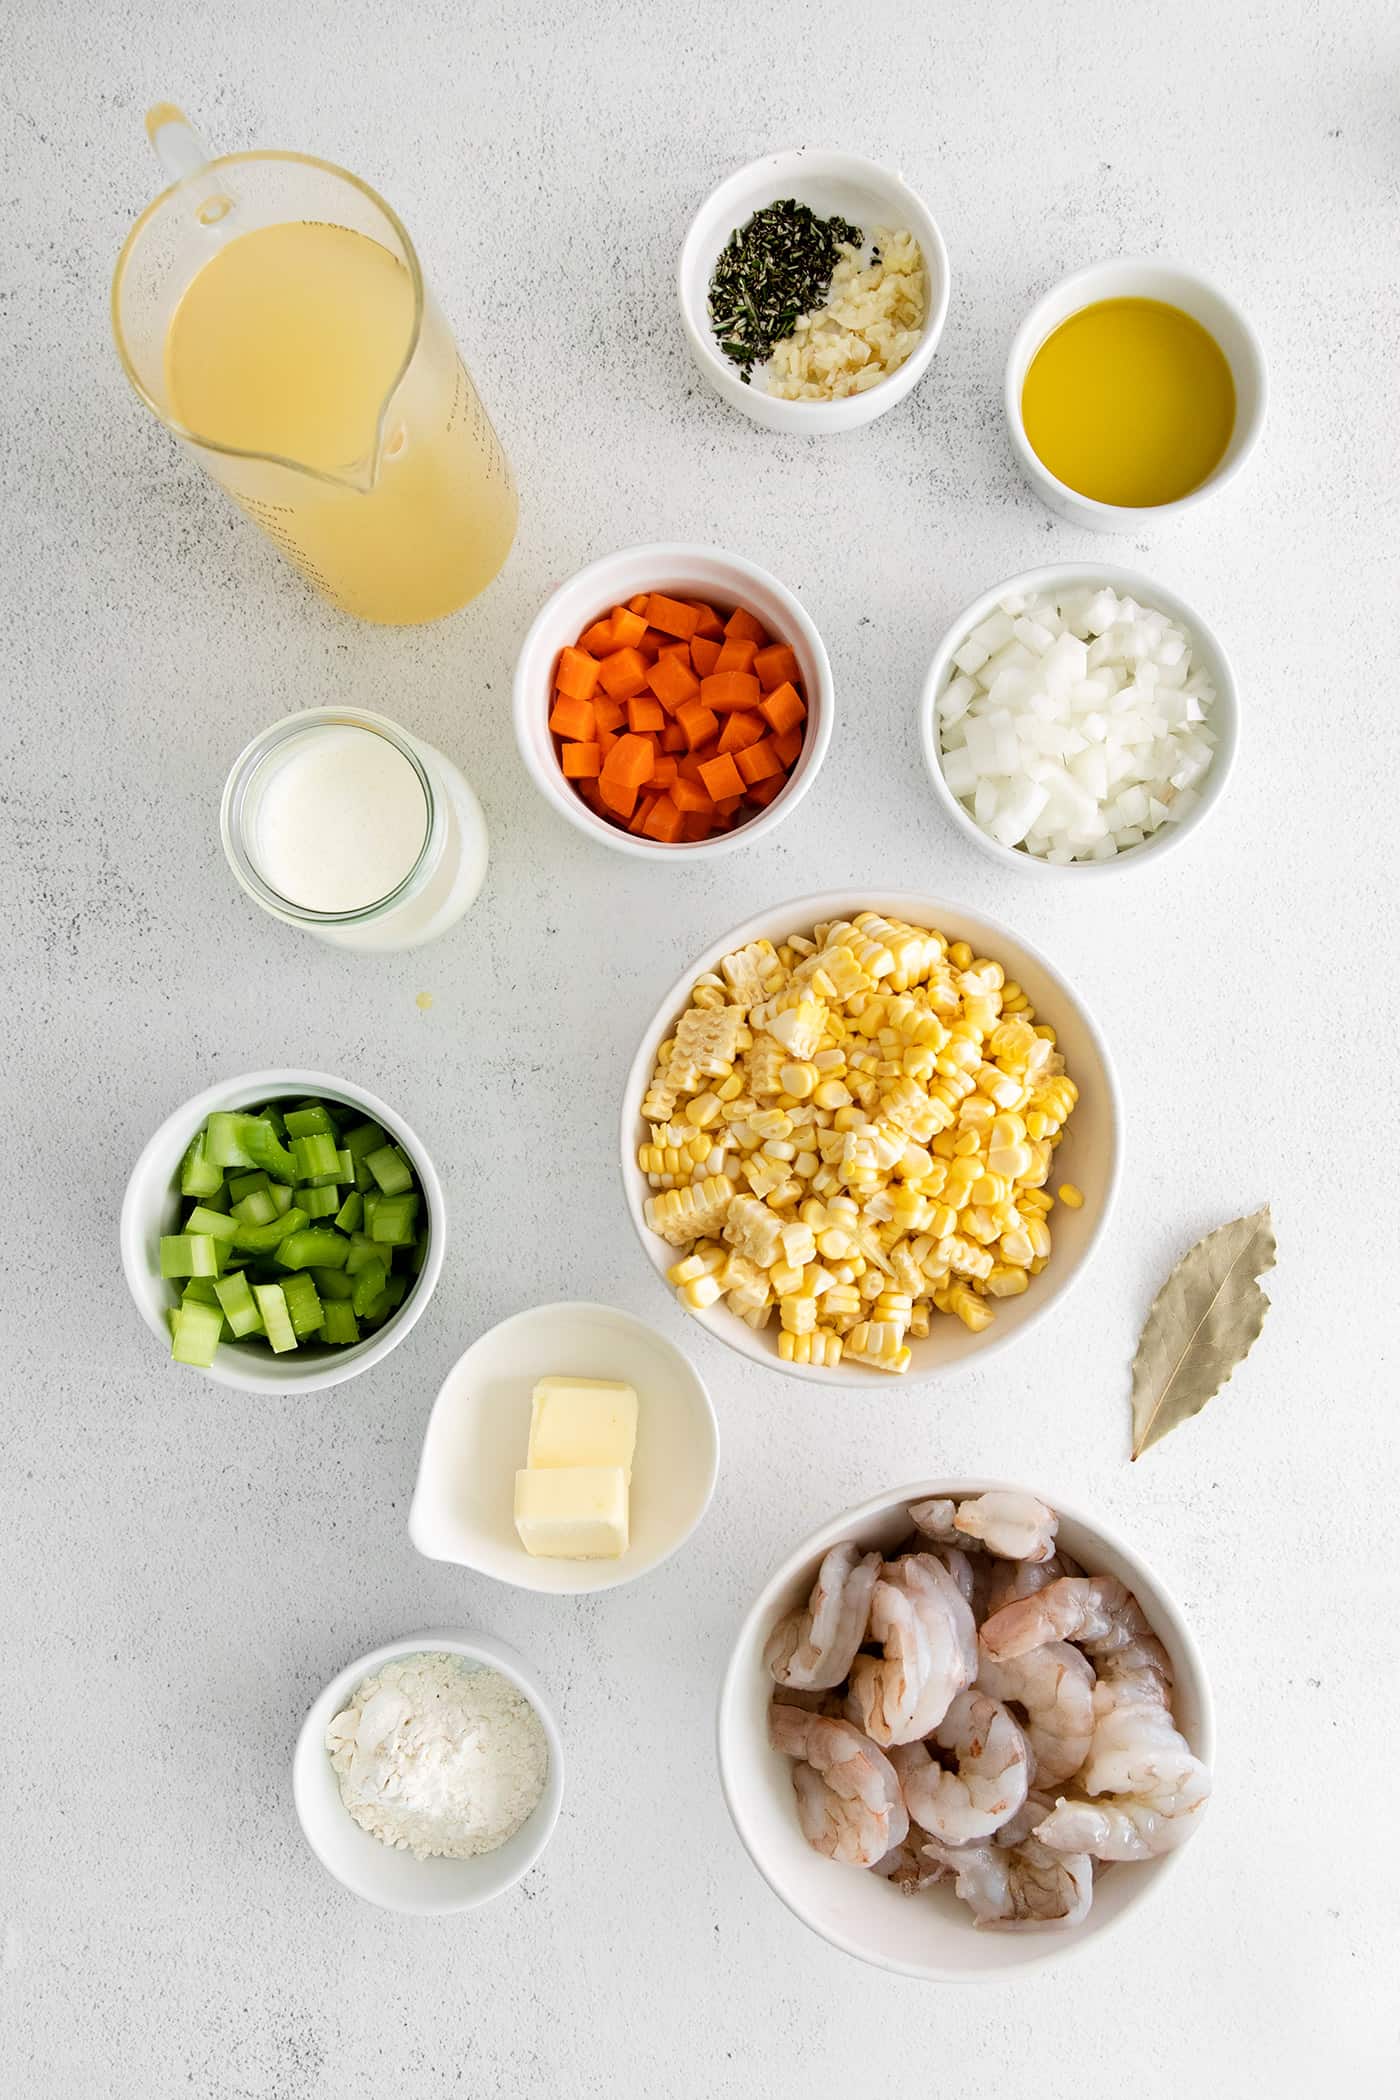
column 428, row 1775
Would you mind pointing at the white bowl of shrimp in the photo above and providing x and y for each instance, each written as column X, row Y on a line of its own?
column 996, row 1744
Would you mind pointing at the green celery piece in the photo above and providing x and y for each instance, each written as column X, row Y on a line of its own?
column 369, row 1285
column 256, row 1208
column 364, row 1180
column 200, row 1290
column 345, row 1165
column 332, row 1283
column 420, row 1250
column 304, row 1308
column 348, row 1218
column 282, row 1197
column 315, row 1155
column 395, row 1220
column 195, row 1335
column 211, row 1222
column 275, row 1318
column 391, row 1170
column 340, row 1326
column 309, row 1121
column 319, row 1202
column 318, row 1247
column 218, row 1199
column 223, row 1140
column 363, row 1251
column 238, row 1304
column 189, row 1254
column 364, row 1139
column 241, row 1185
column 370, row 1202
column 261, row 1239
column 266, row 1150
column 388, row 1300
column 272, row 1114
column 198, row 1174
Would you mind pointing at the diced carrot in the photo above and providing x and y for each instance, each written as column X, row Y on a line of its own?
column 643, row 811
column 741, row 626
column 588, row 792
column 689, row 767
column 673, row 681
column 759, row 762
column 704, row 654
column 781, row 709
column 722, row 777
column 741, row 729
column 691, row 797
column 710, row 623
column 625, row 673
column 696, row 827
column 673, row 738
column 628, row 627
column 664, row 822
column 736, row 656
column 765, row 791
column 577, row 675
column 680, row 649
column 629, row 762
column 728, row 691
column 698, row 722
column 672, row 615
column 775, row 664
column 581, row 761
column 639, row 603
column 620, row 799
column 727, row 807
column 574, row 718
column 788, row 746
column 644, row 713
column 663, row 773
column 607, row 714
column 598, row 639
column 649, row 646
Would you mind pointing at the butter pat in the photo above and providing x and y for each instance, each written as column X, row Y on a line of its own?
column 583, row 1422
column 572, row 1512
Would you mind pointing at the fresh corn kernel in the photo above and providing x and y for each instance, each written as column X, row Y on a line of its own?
column 703, row 1291
column 1071, row 1196
column 818, row 1347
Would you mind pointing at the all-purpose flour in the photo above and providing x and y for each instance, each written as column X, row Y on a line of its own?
column 439, row 1757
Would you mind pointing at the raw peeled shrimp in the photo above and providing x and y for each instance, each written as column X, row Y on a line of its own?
column 849, row 1804
column 988, row 1784
column 1054, row 1688
column 925, row 1625
column 1010, row 1580
column 813, row 1650
column 907, row 1870
column 1100, row 1615
column 1016, row 1829
column 1154, row 1784
column 1012, row 1525
column 1012, row 1887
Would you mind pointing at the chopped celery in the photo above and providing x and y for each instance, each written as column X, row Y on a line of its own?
column 395, row 1220
column 201, row 1290
column 256, row 1208
column 318, row 1202
column 368, row 1285
column 420, row 1250
column 190, row 1254
column 315, row 1155
column 272, row 1114
column 308, row 1121
column 223, row 1140
column 239, row 1306
column 218, row 1199
column 364, row 1139
column 275, row 1317
column 351, row 1212
column 198, row 1174
column 370, row 1203
column 259, row 1239
column 282, row 1197
column 318, row 1248
column 241, row 1185
column 332, row 1283
column 385, row 1302
column 345, row 1165
column 363, row 1251
column 340, row 1325
column 195, row 1336
column 265, row 1149
column 364, row 1180
column 304, row 1308
column 391, row 1170
column 212, row 1222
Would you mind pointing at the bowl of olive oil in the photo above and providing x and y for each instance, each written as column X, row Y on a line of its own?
column 1133, row 389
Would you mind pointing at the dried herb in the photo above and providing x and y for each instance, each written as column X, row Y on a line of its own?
column 1205, row 1319
column 770, row 272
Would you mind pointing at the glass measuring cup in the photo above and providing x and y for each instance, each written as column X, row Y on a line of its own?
column 271, row 310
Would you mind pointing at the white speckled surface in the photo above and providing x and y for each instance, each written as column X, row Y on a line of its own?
column 182, row 1568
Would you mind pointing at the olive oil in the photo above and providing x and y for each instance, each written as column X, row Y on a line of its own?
column 1130, row 402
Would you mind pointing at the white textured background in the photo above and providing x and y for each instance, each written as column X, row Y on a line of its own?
column 184, row 1567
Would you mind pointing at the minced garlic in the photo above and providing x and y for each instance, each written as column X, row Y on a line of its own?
column 869, row 325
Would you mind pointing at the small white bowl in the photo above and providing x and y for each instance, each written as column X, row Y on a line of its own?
column 381, row 1873
column 832, row 185
column 681, row 571
column 930, row 1935
column 1127, row 583
column 464, row 1502
column 151, row 1207
column 1138, row 278
column 1089, row 1155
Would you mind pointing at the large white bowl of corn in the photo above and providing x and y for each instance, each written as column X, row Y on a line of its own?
column 870, row 1136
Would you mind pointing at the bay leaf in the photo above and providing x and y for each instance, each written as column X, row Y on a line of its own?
column 1205, row 1319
